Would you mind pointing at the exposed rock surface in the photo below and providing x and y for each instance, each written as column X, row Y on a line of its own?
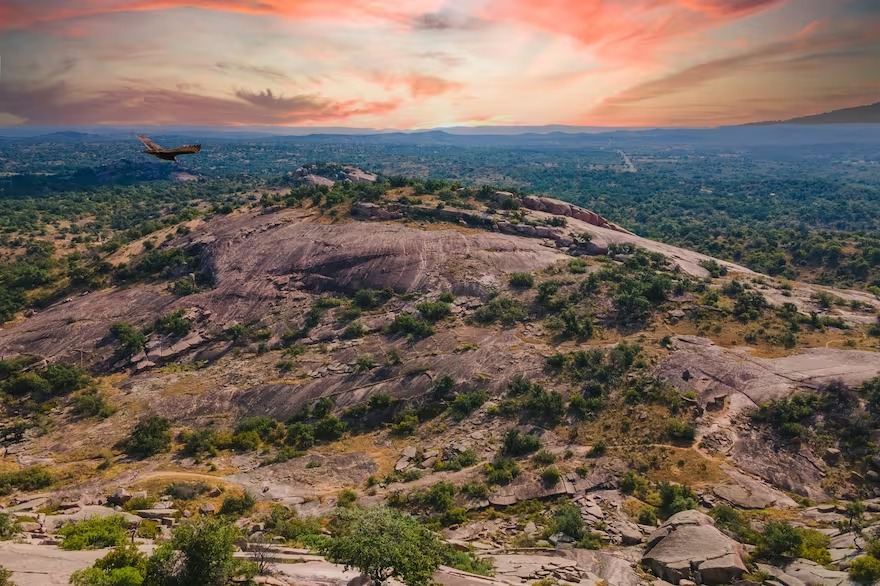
column 689, row 547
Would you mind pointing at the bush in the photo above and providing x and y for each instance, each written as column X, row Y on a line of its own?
column 150, row 436
column 238, row 505
column 174, row 324
column 675, row 498
column 500, row 309
column 466, row 402
column 865, row 570
column 457, row 462
column 8, row 526
column 94, row 533
column 65, row 378
column 517, row 443
column 780, row 539
column 411, row 325
column 501, row 471
column 27, row 479
column 92, row 403
column 269, row 430
column 434, row 311
column 384, row 543
column 123, row 566
column 543, row 458
column 354, row 330
column 551, row 476
column 567, row 520
column 131, row 339
column 329, row 428
column 647, row 516
column 680, row 431
column 200, row 553
column 301, row 435
column 521, row 280
column 187, row 491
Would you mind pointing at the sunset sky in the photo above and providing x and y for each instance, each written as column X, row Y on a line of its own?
column 433, row 63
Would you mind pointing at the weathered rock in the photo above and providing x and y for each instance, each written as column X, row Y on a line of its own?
column 815, row 575
column 119, row 497
column 688, row 546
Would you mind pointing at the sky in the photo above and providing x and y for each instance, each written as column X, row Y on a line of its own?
column 414, row 64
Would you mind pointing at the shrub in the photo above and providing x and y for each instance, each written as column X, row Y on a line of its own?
column 780, row 539
column 346, row 498
column 8, row 526
column 27, row 479
column 354, row 330
column 200, row 553
column 65, row 378
column 543, row 458
column 329, row 428
column 94, row 533
column 411, row 325
column 434, row 310
column 384, row 543
column 647, row 516
column 727, row 517
column 301, row 435
column 567, row 520
column 123, row 566
column 551, row 476
column 268, row 429
column 521, row 280
column 139, row 503
column 238, row 505
column 131, row 340
column 466, row 402
column 501, row 471
column 517, row 443
column 174, row 324
column 500, row 309
column 457, row 462
column 187, row 491
column 680, row 431
column 246, row 441
column 865, row 570
column 675, row 498
column 92, row 403
column 150, row 436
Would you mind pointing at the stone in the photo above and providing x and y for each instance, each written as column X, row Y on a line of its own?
column 119, row 497
column 207, row 509
column 689, row 547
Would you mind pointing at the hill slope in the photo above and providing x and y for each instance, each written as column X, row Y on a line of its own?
column 859, row 115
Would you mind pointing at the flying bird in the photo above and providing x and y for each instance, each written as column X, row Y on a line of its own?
column 167, row 154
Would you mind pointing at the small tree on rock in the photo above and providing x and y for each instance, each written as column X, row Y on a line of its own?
column 384, row 543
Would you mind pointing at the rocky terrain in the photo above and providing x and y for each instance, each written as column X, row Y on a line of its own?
column 436, row 332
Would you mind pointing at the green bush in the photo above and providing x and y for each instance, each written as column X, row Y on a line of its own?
column 174, row 324
column 329, row 428
column 521, row 280
column 517, row 443
column 411, row 325
column 680, row 431
column 647, row 516
column 8, row 526
column 187, row 491
column 865, row 570
column 301, row 435
column 780, row 539
column 150, row 436
column 543, row 458
column 551, row 476
column 269, row 430
column 434, row 311
column 675, row 498
column 567, row 520
column 237, row 506
column 94, row 533
column 354, row 330
column 466, row 402
column 26, row 479
column 500, row 309
column 122, row 566
column 92, row 403
column 65, row 378
column 501, row 471
column 131, row 339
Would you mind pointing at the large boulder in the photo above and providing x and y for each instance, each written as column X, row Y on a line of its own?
column 688, row 546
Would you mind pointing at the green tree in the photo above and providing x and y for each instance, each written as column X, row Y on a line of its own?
column 150, row 436
column 199, row 554
column 384, row 543
column 123, row 566
column 780, row 539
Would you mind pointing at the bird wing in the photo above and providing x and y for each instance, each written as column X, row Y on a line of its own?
column 186, row 149
column 149, row 143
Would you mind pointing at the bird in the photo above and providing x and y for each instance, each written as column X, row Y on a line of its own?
column 167, row 154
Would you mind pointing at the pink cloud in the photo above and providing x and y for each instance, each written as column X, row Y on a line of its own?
column 51, row 104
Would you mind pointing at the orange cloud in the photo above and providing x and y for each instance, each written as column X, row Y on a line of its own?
column 629, row 29
column 50, row 104
column 420, row 86
column 20, row 14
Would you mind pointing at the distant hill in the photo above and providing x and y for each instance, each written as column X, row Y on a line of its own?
column 858, row 115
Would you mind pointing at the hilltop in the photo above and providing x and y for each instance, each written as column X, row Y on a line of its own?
column 481, row 359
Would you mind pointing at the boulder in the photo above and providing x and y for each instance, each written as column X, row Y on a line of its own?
column 119, row 497
column 688, row 546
